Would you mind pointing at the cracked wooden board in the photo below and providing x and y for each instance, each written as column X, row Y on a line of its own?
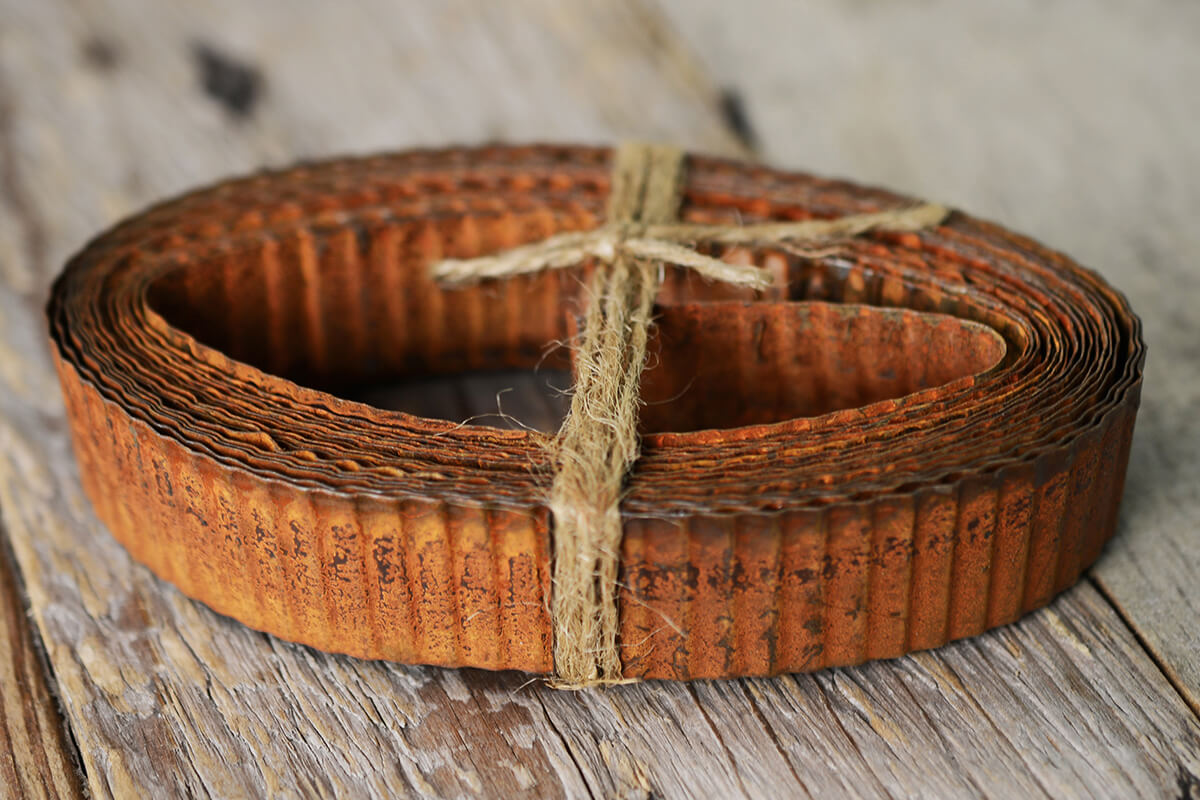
column 165, row 696
column 35, row 759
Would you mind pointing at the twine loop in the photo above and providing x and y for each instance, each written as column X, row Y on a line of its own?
column 598, row 442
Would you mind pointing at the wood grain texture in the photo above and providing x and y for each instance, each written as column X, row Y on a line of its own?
column 36, row 758
column 103, row 108
column 1073, row 122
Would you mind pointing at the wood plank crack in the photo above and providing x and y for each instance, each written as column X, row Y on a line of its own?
column 37, row 752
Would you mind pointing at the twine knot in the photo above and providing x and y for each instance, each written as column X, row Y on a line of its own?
column 598, row 442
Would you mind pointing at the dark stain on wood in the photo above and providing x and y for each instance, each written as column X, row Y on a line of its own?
column 1188, row 784
column 101, row 54
column 733, row 112
column 235, row 85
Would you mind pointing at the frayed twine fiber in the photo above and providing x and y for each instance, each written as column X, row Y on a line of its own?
column 598, row 441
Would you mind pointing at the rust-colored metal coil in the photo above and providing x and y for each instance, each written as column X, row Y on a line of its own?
column 912, row 438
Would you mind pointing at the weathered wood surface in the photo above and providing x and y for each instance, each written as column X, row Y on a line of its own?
column 1072, row 121
column 35, row 759
column 102, row 108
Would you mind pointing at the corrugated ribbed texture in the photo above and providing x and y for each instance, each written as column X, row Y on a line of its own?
column 911, row 438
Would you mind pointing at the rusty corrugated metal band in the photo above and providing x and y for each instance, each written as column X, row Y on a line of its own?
column 931, row 444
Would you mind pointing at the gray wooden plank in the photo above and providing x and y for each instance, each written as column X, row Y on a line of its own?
column 166, row 697
column 1072, row 121
column 331, row 79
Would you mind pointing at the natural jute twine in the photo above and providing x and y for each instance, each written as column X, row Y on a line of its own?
column 598, row 441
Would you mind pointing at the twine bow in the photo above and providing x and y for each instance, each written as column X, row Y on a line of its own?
column 598, row 441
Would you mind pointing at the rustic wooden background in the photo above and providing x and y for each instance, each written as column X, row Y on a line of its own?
column 1073, row 120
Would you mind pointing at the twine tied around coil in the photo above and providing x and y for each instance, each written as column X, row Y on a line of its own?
column 598, row 441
